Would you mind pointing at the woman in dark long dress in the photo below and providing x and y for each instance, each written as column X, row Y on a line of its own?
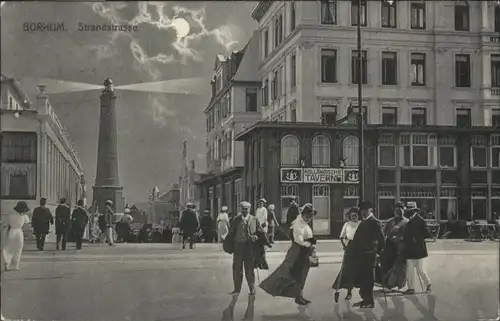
column 289, row 278
column 346, row 277
column 392, row 258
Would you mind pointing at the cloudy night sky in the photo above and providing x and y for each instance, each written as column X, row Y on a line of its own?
column 152, row 126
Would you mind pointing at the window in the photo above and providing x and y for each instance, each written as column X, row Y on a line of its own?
column 328, row 65
column 463, row 117
column 293, row 70
column 265, row 92
column 18, row 165
column 278, row 30
column 289, row 150
column 418, row 69
column 389, row 68
column 461, row 17
column 288, row 191
column 350, row 199
column 389, row 115
column 350, row 151
column 355, row 110
column 386, row 201
column 328, row 114
column 218, row 82
column 354, row 12
column 354, row 67
column 389, row 14
column 293, row 14
column 418, row 150
column 479, row 204
column 497, row 18
column 281, row 83
column 424, row 197
column 478, row 152
column 462, row 71
column 418, row 116
column 495, row 151
column 251, row 99
column 265, row 40
column 10, row 102
column 387, row 150
column 495, row 71
column 274, row 86
column 495, row 203
column 329, row 12
column 293, row 112
column 495, row 117
column 447, row 151
column 417, row 10
column 321, row 151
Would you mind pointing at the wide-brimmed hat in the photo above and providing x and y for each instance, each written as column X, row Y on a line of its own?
column 307, row 209
column 412, row 206
column 352, row 210
column 262, row 200
column 224, row 208
column 110, row 202
column 21, row 207
column 271, row 207
column 127, row 210
column 400, row 205
column 245, row 204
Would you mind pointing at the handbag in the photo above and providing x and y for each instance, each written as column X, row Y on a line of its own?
column 313, row 259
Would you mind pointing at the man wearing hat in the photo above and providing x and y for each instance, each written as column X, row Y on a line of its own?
column 42, row 219
column 79, row 220
column 124, row 224
column 416, row 248
column 206, row 226
column 293, row 211
column 368, row 242
column 239, row 242
column 63, row 220
column 189, row 224
column 108, row 220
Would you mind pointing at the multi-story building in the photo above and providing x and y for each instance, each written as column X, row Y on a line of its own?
column 165, row 208
column 233, row 106
column 38, row 158
column 430, row 73
column 188, row 188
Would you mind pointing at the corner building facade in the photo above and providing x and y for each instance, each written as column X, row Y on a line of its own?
column 431, row 91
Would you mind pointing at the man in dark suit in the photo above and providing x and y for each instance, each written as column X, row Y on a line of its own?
column 240, row 242
column 63, row 220
column 416, row 248
column 40, row 223
column 368, row 242
column 79, row 220
column 293, row 211
column 189, row 224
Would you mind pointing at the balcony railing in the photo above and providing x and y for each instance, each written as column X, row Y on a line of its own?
column 491, row 92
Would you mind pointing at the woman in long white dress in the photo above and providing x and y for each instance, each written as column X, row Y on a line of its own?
column 222, row 224
column 14, row 238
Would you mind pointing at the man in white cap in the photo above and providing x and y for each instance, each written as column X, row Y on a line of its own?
column 125, row 222
column 261, row 214
column 239, row 242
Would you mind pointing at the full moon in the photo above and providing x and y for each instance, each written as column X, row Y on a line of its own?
column 181, row 26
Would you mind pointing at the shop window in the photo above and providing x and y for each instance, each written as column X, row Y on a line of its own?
column 495, row 203
column 424, row 197
column 321, row 151
column 350, row 151
column 448, row 204
column 350, row 199
column 447, row 151
column 479, row 204
column 288, row 191
column 387, row 176
column 289, row 150
column 418, row 150
column 386, row 201
column 478, row 152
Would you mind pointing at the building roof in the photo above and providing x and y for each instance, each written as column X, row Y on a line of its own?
column 20, row 91
column 260, row 9
column 247, row 69
column 375, row 127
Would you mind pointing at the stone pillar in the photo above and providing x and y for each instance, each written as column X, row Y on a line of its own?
column 485, row 24
column 107, row 184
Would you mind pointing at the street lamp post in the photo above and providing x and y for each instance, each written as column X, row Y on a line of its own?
column 360, row 118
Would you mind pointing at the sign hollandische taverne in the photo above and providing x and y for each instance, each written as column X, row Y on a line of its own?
column 320, row 175
column 323, row 175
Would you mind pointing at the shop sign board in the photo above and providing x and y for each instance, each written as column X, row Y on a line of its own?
column 320, row 175
column 323, row 175
column 291, row 175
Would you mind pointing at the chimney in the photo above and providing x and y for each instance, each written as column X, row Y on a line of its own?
column 42, row 99
column 193, row 164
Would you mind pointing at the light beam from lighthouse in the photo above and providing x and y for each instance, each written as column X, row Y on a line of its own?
column 107, row 183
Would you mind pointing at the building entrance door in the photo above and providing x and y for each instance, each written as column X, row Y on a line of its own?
column 321, row 202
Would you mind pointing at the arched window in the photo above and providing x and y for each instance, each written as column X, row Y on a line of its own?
column 350, row 151
column 289, row 150
column 321, row 151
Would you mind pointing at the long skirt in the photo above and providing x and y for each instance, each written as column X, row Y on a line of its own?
column 393, row 266
column 289, row 279
column 347, row 276
column 14, row 242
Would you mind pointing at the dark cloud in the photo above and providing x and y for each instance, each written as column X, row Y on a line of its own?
column 152, row 126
